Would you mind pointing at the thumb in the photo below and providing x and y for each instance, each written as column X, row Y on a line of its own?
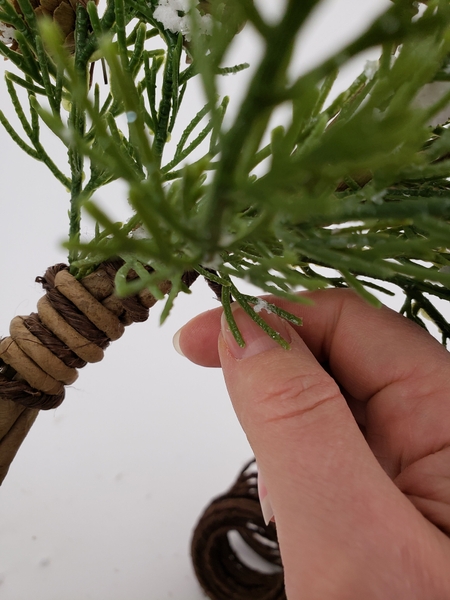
column 326, row 489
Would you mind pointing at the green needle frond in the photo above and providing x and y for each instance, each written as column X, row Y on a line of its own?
column 352, row 190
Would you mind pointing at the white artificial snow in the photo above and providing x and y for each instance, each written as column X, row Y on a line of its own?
column 205, row 25
column 6, row 33
column 140, row 233
column 214, row 263
column 174, row 16
column 378, row 198
column 370, row 69
column 225, row 240
column 261, row 305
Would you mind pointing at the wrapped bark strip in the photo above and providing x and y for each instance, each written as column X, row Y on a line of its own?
column 75, row 322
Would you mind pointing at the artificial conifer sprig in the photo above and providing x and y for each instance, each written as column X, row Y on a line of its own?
column 357, row 184
column 51, row 75
column 61, row 12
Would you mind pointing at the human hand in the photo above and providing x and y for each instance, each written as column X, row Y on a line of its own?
column 351, row 432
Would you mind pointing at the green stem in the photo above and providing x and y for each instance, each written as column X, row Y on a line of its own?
column 244, row 303
column 77, row 122
column 259, row 99
column 16, row 138
column 28, row 85
column 226, row 303
column 46, row 68
column 165, row 105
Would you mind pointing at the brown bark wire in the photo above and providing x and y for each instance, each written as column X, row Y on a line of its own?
column 221, row 569
column 102, row 318
column 22, row 393
column 54, row 344
column 14, row 385
column 67, row 337
column 76, row 319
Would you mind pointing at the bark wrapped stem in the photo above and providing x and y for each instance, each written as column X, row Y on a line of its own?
column 74, row 324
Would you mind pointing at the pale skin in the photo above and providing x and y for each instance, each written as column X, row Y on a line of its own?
column 351, row 432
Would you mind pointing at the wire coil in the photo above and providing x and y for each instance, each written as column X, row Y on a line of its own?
column 221, row 569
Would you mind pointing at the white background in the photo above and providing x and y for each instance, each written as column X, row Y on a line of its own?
column 102, row 498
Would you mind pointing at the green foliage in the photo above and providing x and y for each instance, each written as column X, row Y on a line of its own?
column 358, row 184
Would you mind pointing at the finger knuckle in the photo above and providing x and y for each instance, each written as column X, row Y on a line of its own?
column 298, row 395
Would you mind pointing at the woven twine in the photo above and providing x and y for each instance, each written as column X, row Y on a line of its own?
column 220, row 567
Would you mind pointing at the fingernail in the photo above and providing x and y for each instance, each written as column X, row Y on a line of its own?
column 256, row 339
column 264, row 500
column 176, row 342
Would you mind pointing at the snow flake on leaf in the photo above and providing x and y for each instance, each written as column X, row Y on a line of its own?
column 174, row 16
